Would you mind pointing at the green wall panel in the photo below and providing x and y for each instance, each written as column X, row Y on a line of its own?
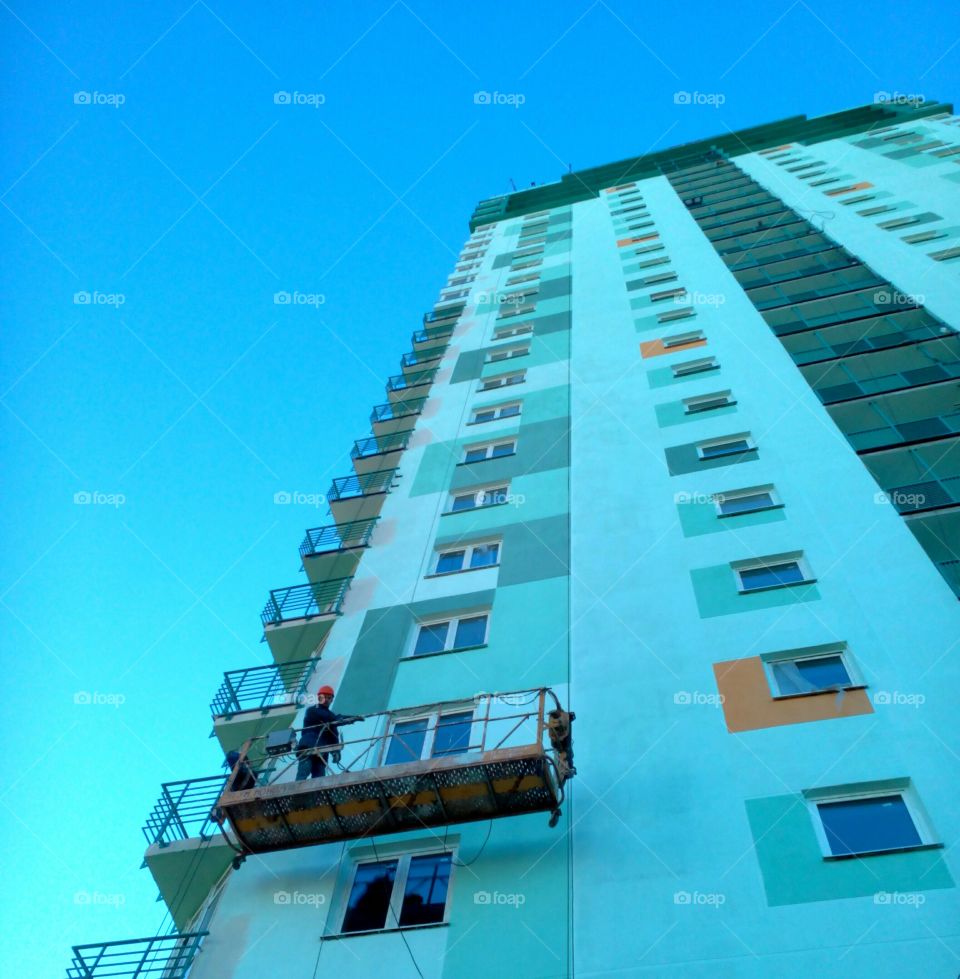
column 697, row 519
column 716, row 592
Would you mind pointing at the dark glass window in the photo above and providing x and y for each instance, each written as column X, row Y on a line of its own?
column 431, row 638
column 470, row 632
column 804, row 675
column 724, row 448
column 864, row 825
column 406, row 741
column 484, row 555
column 369, row 901
column 744, row 504
column 425, row 895
column 509, row 411
column 453, row 734
column 767, row 577
column 451, row 561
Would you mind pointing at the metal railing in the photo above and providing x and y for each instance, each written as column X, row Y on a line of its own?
column 262, row 687
column 305, row 601
column 439, row 316
column 348, row 487
column 164, row 957
column 518, row 719
column 337, row 537
column 397, row 409
column 434, row 333
column 184, row 809
column 414, row 359
column 376, row 446
column 400, row 382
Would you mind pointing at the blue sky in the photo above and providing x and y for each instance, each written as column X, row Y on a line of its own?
column 186, row 398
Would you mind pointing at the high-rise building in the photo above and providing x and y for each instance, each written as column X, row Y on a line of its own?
column 677, row 450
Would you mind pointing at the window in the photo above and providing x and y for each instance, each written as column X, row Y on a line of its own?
column 681, row 339
column 729, row 445
column 506, row 353
column 652, row 280
column 502, row 332
column 777, row 571
column 478, row 498
column 529, row 264
column 517, row 280
column 707, row 402
column 404, row 892
column 735, row 502
column 502, row 381
column 520, row 310
column 467, row 557
column 492, row 450
column 451, row 634
column 494, row 412
column 432, row 736
column 697, row 366
column 812, row 670
column 677, row 314
column 881, row 817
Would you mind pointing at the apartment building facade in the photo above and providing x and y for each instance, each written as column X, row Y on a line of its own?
column 677, row 450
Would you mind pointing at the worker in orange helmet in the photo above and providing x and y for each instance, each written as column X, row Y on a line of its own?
column 320, row 725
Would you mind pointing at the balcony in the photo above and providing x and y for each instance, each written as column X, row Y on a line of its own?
column 395, row 416
column 403, row 387
column 445, row 316
column 168, row 957
column 296, row 620
column 379, row 452
column 334, row 551
column 939, row 536
column 919, row 478
column 258, row 700
column 435, row 338
column 416, row 360
column 353, row 498
column 186, row 852
column 456, row 762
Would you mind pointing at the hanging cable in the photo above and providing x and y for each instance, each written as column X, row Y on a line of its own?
column 396, row 919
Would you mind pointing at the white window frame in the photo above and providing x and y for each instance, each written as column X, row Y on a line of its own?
column 489, row 447
column 772, row 561
column 452, row 621
column 490, row 488
column 700, row 365
column 805, row 654
column 738, row 494
column 500, row 354
column 468, row 550
column 507, row 332
column 524, row 309
column 426, row 753
column 392, row 922
column 518, row 280
column 487, row 383
column 682, row 339
column 723, row 440
column 497, row 408
column 849, row 793
column 700, row 403
column 532, row 263
column 683, row 313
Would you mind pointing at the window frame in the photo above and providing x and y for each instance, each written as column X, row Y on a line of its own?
column 486, row 383
column 682, row 339
column 773, row 561
column 851, row 793
column 496, row 487
column 506, row 352
column 468, row 548
column 699, row 404
column 719, row 498
column 751, row 445
column 430, row 738
column 401, row 876
column 805, row 654
column 509, row 331
column 687, row 369
column 480, row 409
column 489, row 445
column 452, row 619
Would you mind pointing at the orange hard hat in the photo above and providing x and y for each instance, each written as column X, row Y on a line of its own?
column 325, row 689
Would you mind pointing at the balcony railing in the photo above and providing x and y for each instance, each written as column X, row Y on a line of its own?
column 397, row 409
column 262, row 687
column 337, row 537
column 164, row 957
column 394, row 442
column 437, row 765
column 434, row 333
column 442, row 315
column 415, row 359
column 401, row 382
column 305, row 601
column 183, row 810
column 350, row 487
